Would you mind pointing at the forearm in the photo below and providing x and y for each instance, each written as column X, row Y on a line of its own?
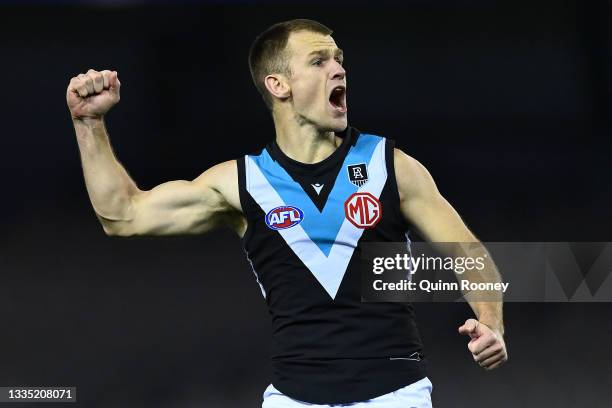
column 486, row 304
column 108, row 184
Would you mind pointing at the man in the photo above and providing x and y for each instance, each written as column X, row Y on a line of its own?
column 303, row 206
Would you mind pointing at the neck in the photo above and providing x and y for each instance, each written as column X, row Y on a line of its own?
column 303, row 141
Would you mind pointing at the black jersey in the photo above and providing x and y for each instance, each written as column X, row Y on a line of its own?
column 306, row 223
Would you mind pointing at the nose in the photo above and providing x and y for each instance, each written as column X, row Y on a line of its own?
column 338, row 71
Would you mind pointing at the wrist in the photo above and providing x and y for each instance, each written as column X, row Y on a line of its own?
column 493, row 324
column 88, row 121
column 89, row 129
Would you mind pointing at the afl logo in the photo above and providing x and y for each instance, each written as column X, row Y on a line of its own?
column 284, row 217
column 363, row 210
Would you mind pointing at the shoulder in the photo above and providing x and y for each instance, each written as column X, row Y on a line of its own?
column 219, row 174
column 222, row 179
column 413, row 179
column 407, row 163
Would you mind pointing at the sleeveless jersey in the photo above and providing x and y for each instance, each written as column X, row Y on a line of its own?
column 306, row 223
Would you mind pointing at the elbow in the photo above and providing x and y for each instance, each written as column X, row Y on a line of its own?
column 110, row 231
column 115, row 225
column 115, row 228
column 107, row 230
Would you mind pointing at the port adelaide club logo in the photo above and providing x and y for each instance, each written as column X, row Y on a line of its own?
column 284, row 217
column 358, row 174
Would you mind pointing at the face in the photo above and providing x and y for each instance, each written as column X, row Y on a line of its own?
column 318, row 80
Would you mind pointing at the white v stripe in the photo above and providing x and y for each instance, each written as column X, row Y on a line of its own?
column 328, row 270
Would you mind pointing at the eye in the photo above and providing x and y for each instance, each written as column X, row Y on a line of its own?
column 340, row 60
column 317, row 61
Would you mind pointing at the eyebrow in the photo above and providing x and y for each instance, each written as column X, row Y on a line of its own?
column 325, row 52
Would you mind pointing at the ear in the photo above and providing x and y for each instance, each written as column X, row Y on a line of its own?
column 278, row 85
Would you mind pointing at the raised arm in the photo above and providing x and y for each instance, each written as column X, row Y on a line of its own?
column 172, row 208
column 425, row 208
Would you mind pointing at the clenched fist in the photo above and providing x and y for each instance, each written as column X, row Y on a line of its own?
column 91, row 95
column 486, row 345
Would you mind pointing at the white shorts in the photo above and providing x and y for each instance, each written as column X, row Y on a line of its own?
column 415, row 395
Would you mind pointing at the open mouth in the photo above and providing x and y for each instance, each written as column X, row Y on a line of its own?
column 337, row 99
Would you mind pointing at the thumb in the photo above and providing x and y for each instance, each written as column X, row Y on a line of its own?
column 470, row 328
column 114, row 83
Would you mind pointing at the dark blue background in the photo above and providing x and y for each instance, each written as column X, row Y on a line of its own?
column 506, row 103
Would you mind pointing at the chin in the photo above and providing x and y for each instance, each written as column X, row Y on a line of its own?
column 335, row 123
column 339, row 124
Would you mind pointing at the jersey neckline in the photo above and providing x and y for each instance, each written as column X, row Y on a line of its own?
column 348, row 135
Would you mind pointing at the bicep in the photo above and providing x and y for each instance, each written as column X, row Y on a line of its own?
column 424, row 207
column 177, row 207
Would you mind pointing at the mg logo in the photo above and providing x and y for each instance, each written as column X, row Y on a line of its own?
column 363, row 210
